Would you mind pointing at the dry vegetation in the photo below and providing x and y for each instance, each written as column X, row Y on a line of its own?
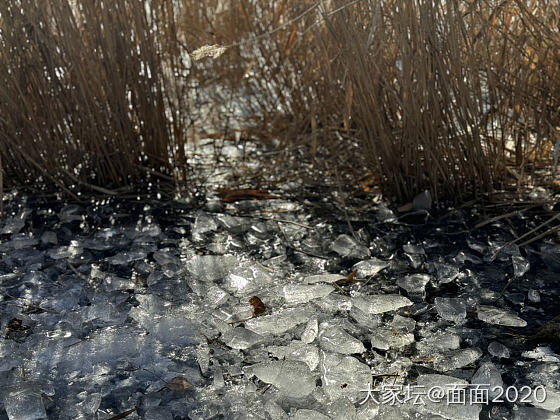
column 456, row 96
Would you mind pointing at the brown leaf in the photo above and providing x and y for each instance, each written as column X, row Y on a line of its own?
column 123, row 414
column 178, row 383
column 349, row 278
column 258, row 305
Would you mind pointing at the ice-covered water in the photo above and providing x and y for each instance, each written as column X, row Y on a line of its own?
column 265, row 310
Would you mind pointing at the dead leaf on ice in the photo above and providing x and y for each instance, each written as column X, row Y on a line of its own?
column 178, row 383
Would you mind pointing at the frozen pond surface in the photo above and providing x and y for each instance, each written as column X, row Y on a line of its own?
column 148, row 308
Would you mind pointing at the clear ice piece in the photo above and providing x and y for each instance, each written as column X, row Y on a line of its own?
column 451, row 309
column 307, row 414
column 324, row 278
column 348, row 247
column 292, row 378
column 24, row 402
column 415, row 284
column 203, row 224
column 456, row 359
column 378, row 304
column 386, row 338
column 335, row 339
column 445, row 273
column 344, row 376
column 488, row 377
column 534, row 296
column 542, row 354
column 520, row 265
column 246, row 280
column 299, row 351
column 310, row 332
column 211, row 267
column 241, row 338
column 295, row 294
column 279, row 322
column 498, row 350
column 370, row 267
column 498, row 316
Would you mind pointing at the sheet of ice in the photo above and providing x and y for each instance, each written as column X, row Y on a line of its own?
column 488, row 377
column 451, row 309
column 342, row 409
column 365, row 320
column 306, row 414
column 274, row 411
column 295, row 294
column 292, row 378
column 203, row 224
column 415, row 284
column 456, row 359
column 443, row 385
column 542, row 354
column 299, row 351
column 211, row 267
column 520, row 265
column 335, row 339
column 378, row 304
column 279, row 322
column 534, row 296
column 498, row 350
column 15, row 223
column 498, row 316
column 323, row 278
column 445, row 273
column 71, row 251
column 387, row 338
column 23, row 402
column 246, row 280
column 310, row 332
column 241, row 338
column 370, row 267
column 344, row 377
column 348, row 247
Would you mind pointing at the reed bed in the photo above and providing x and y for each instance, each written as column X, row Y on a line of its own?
column 457, row 97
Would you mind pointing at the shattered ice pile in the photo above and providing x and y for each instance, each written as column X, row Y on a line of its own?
column 264, row 309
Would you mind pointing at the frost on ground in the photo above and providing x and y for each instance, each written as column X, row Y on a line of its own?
column 147, row 310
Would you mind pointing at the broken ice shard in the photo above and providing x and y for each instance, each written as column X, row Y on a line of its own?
column 370, row 267
column 211, row 267
column 324, row 278
column 498, row 316
column 292, row 378
column 520, row 265
column 415, row 285
column 456, row 359
column 279, row 322
column 348, row 247
column 241, row 338
column 24, row 402
column 489, row 378
column 335, row 339
column 378, row 304
column 246, row 280
column 304, row 293
column 498, row 350
column 386, row 338
column 451, row 309
column 344, row 376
